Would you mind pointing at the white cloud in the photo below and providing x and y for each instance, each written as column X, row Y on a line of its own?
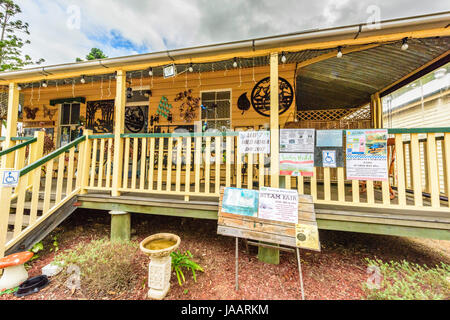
column 168, row 24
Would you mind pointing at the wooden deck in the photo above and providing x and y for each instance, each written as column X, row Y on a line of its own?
column 363, row 219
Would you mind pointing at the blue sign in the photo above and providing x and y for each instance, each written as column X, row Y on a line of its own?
column 329, row 158
column 10, row 178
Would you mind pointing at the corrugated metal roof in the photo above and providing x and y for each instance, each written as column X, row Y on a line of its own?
column 351, row 80
column 328, row 84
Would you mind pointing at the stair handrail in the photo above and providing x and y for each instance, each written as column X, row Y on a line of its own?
column 17, row 147
column 51, row 156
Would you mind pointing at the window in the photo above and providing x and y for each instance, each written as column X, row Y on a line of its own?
column 70, row 118
column 217, row 111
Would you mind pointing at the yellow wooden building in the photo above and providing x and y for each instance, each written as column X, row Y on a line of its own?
column 129, row 136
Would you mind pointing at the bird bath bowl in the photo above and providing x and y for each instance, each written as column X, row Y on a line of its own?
column 159, row 247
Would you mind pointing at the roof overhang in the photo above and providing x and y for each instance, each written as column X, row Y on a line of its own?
column 391, row 30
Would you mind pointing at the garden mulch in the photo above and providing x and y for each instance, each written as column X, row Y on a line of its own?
column 336, row 273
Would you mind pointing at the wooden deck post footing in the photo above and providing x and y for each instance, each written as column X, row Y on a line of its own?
column 120, row 226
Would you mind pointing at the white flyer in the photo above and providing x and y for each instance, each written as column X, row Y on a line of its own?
column 278, row 204
column 254, row 142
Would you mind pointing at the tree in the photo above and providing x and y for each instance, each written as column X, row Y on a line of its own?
column 93, row 55
column 10, row 44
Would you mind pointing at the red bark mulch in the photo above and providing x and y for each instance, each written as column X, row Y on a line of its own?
column 337, row 273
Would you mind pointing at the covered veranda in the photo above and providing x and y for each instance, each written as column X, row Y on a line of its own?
column 173, row 173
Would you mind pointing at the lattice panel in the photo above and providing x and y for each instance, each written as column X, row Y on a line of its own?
column 335, row 114
column 4, row 103
column 362, row 113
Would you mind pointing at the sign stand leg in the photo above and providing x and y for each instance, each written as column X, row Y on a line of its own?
column 237, row 264
column 300, row 274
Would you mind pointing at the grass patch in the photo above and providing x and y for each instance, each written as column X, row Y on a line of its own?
column 408, row 281
column 104, row 266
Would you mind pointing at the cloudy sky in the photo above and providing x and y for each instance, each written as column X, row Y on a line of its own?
column 62, row 30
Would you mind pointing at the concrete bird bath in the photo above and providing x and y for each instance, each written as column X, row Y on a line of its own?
column 159, row 247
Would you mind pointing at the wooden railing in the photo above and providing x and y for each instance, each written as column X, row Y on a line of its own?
column 23, row 152
column 45, row 197
column 199, row 164
column 189, row 165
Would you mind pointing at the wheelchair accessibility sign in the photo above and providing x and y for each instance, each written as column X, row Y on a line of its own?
column 329, row 158
column 10, row 178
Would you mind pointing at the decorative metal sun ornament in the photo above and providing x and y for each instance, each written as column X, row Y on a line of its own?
column 134, row 119
column 260, row 97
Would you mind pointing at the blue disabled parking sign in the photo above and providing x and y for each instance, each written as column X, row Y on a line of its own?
column 10, row 178
column 329, row 158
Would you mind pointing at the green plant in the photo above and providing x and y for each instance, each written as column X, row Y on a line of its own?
column 9, row 291
column 408, row 281
column 180, row 261
column 104, row 266
column 55, row 244
column 37, row 247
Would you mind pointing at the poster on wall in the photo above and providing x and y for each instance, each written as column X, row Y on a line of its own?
column 254, row 142
column 297, row 164
column 240, row 201
column 278, row 204
column 367, row 154
column 329, row 138
column 297, row 140
column 329, row 149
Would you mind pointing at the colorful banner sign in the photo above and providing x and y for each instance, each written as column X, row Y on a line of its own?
column 367, row 154
column 240, row 201
column 297, row 164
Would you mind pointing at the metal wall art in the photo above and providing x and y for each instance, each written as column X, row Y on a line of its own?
column 50, row 113
column 261, row 96
column 105, row 124
column 243, row 103
column 189, row 106
column 164, row 107
column 30, row 113
column 136, row 119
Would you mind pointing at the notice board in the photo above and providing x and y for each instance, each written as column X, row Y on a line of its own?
column 272, row 231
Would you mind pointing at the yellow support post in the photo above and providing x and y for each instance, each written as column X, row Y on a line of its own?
column 85, row 158
column 118, row 130
column 36, row 151
column 269, row 255
column 274, row 122
column 11, row 124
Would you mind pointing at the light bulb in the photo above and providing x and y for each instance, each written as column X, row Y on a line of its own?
column 283, row 58
column 191, row 68
column 150, row 72
column 44, row 84
column 19, row 88
column 235, row 64
column 339, row 54
column 83, row 80
column 405, row 45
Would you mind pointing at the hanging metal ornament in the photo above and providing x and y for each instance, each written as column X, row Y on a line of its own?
column 109, row 87
column 142, row 80
column 101, row 88
column 32, row 93
column 39, row 92
column 253, row 70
